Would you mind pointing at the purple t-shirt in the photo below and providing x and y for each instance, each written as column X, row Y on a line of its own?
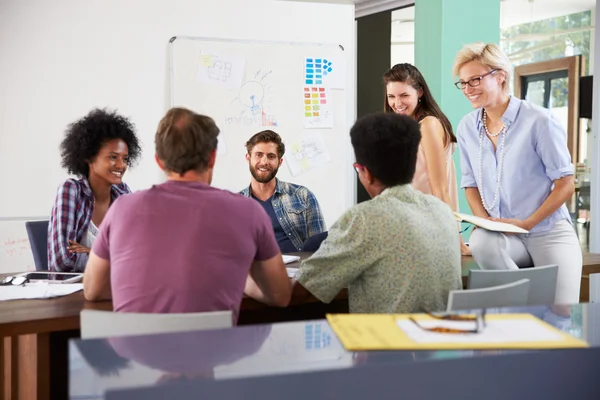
column 183, row 247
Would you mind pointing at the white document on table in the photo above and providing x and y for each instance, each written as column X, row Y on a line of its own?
column 38, row 290
column 495, row 331
column 290, row 259
column 292, row 272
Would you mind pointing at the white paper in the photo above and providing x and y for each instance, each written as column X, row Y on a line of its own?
column 292, row 271
column 290, row 259
column 317, row 110
column 308, row 153
column 38, row 290
column 489, row 224
column 328, row 71
column 495, row 331
column 220, row 69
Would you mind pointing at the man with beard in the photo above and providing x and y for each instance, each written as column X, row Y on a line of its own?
column 294, row 210
column 167, row 249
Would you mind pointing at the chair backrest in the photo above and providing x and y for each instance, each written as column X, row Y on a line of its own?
column 542, row 281
column 102, row 324
column 37, row 232
column 594, row 288
column 314, row 242
column 514, row 294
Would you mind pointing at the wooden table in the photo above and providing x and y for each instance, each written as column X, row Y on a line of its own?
column 36, row 332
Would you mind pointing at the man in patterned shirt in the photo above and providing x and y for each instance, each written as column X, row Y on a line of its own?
column 398, row 252
column 294, row 210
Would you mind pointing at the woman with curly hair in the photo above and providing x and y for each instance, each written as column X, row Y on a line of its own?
column 98, row 149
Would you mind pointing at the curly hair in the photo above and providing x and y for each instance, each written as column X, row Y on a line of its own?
column 84, row 138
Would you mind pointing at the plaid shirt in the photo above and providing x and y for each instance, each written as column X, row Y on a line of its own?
column 70, row 218
column 297, row 210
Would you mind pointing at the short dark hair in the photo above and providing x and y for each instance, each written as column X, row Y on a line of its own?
column 387, row 145
column 84, row 138
column 184, row 140
column 267, row 136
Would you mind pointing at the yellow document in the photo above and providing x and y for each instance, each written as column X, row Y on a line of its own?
column 397, row 332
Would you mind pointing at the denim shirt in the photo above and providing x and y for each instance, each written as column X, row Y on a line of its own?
column 535, row 155
column 297, row 210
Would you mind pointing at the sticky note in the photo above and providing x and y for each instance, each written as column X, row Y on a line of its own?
column 304, row 164
column 206, row 60
column 316, row 101
column 307, row 114
column 315, row 95
column 307, row 108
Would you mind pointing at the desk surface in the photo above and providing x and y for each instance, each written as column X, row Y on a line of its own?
column 263, row 350
column 19, row 317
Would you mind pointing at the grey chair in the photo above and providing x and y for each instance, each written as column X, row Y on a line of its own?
column 37, row 232
column 102, row 324
column 514, row 294
column 542, row 281
column 595, row 288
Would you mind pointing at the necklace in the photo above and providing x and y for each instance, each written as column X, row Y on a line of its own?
column 486, row 128
column 500, row 165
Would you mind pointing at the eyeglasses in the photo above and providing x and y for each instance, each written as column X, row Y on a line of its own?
column 478, row 319
column 473, row 82
column 357, row 167
column 14, row 280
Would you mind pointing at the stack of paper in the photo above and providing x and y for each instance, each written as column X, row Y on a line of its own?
column 397, row 332
column 38, row 290
column 489, row 224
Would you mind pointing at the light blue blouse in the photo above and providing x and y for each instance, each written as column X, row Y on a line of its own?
column 535, row 154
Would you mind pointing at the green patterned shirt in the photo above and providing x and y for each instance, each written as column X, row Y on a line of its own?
column 396, row 253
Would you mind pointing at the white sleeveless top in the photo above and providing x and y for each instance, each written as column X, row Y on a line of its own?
column 89, row 235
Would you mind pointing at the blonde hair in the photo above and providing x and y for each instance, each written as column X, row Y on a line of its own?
column 490, row 55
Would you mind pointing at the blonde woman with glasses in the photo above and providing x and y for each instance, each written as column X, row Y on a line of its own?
column 516, row 168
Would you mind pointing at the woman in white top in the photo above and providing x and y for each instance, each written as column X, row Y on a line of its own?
column 407, row 93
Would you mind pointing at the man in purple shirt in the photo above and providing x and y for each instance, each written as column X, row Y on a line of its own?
column 184, row 246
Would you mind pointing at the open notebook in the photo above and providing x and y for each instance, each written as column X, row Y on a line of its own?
column 489, row 224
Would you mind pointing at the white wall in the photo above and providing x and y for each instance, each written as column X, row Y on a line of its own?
column 61, row 58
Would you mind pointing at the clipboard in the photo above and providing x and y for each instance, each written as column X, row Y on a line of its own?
column 503, row 331
column 489, row 224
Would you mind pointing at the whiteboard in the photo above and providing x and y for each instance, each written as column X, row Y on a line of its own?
column 15, row 249
column 250, row 86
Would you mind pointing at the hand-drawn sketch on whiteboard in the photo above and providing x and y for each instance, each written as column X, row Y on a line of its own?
column 15, row 249
column 317, row 110
column 308, row 153
column 254, row 104
column 218, row 69
column 269, row 94
column 329, row 71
